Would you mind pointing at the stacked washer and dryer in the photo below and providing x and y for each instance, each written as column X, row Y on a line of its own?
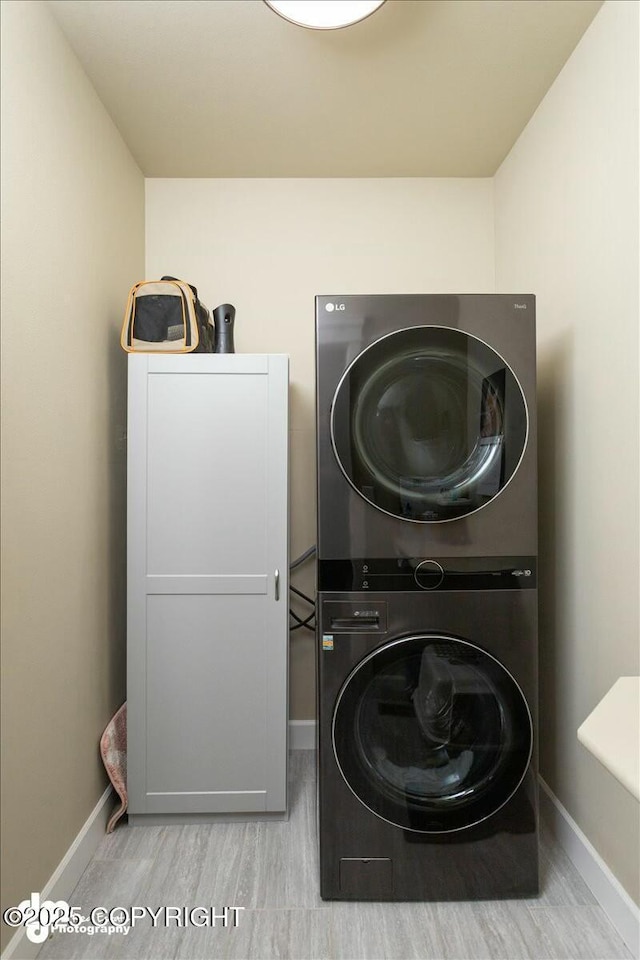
column 427, row 599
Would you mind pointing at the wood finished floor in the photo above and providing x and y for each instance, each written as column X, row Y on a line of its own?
column 271, row 870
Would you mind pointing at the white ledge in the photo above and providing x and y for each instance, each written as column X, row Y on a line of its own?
column 611, row 733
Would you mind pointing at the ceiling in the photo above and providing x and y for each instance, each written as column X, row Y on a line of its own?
column 226, row 88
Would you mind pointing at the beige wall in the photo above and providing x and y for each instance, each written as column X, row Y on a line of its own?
column 269, row 246
column 72, row 243
column 566, row 203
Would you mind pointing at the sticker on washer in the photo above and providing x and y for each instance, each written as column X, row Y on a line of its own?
column 327, row 641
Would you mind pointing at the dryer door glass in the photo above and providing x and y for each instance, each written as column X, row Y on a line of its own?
column 432, row 733
column 429, row 424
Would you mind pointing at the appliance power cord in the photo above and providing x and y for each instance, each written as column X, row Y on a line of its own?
column 302, row 622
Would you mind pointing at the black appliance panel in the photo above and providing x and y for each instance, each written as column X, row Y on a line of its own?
column 416, row 574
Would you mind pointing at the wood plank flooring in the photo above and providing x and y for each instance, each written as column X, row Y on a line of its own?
column 271, row 869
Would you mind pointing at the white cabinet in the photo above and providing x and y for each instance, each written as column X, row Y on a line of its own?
column 207, row 623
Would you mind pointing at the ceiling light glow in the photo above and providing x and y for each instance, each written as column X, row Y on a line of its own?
column 324, row 14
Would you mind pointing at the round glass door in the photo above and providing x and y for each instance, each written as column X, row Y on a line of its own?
column 432, row 733
column 429, row 424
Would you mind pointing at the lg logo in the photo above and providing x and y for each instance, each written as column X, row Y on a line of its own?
column 329, row 307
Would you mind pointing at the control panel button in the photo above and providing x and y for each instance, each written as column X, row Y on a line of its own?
column 428, row 574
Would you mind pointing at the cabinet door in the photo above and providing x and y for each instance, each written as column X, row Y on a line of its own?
column 208, row 585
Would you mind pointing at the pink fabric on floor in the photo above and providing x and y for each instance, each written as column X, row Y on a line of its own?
column 113, row 748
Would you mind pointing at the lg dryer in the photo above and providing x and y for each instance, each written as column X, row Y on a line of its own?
column 426, row 426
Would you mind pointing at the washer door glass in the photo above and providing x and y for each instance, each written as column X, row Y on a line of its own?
column 432, row 733
column 429, row 424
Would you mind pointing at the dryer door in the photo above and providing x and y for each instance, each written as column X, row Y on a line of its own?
column 429, row 424
column 432, row 734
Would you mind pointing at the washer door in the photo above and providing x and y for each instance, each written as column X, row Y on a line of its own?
column 429, row 424
column 432, row 734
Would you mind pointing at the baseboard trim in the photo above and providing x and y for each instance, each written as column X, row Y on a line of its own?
column 623, row 913
column 302, row 734
column 66, row 875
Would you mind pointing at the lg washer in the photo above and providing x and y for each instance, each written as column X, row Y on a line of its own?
column 427, row 767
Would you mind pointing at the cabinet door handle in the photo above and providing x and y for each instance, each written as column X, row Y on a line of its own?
column 277, row 584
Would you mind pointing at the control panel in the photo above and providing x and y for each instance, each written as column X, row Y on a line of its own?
column 384, row 575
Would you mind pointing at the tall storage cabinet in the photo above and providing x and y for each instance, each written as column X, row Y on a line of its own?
column 207, row 622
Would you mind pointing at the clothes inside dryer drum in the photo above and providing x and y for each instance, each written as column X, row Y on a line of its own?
column 432, row 733
column 429, row 424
